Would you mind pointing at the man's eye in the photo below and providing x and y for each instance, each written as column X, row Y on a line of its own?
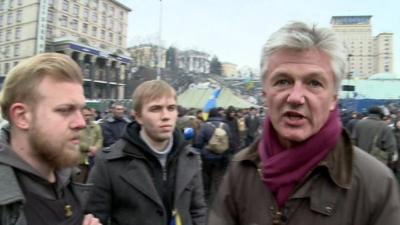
column 282, row 82
column 64, row 110
column 172, row 108
column 315, row 83
column 154, row 109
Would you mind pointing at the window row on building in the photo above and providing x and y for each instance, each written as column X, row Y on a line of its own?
column 10, row 34
column 5, row 67
column 71, row 6
column 108, row 24
column 10, row 4
column 11, row 18
column 84, row 28
column 9, row 51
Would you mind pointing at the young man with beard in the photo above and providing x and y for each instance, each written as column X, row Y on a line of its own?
column 304, row 169
column 42, row 99
column 151, row 175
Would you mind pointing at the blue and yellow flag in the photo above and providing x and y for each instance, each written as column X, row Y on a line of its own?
column 211, row 103
column 249, row 84
column 176, row 218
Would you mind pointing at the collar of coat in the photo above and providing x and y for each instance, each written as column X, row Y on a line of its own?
column 338, row 163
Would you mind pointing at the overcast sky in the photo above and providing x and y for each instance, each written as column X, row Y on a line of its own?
column 235, row 30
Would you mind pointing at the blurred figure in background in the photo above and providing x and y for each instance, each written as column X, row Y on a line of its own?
column 373, row 132
column 114, row 125
column 91, row 141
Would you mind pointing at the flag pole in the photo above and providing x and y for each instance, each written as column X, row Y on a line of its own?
column 159, row 55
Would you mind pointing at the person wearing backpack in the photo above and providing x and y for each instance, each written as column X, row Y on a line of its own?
column 373, row 132
column 215, row 146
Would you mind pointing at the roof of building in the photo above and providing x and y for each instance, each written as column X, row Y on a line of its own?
column 198, row 97
column 121, row 5
column 372, row 89
column 383, row 76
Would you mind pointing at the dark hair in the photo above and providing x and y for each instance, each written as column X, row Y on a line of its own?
column 376, row 110
column 214, row 112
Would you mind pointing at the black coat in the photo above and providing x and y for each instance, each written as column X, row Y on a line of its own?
column 127, row 184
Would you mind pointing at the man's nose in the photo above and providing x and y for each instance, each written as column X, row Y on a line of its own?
column 79, row 122
column 296, row 95
column 165, row 114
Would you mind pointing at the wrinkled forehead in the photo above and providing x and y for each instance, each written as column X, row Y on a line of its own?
column 310, row 57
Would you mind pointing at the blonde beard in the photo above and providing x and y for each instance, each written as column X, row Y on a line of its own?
column 57, row 155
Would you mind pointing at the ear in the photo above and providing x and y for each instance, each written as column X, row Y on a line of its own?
column 138, row 117
column 264, row 97
column 333, row 104
column 20, row 115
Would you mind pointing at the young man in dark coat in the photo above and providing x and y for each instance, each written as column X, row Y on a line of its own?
column 151, row 175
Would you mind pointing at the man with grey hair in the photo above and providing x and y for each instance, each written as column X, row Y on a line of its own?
column 304, row 168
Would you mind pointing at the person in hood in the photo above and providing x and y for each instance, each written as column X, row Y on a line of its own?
column 42, row 99
column 150, row 175
column 304, row 169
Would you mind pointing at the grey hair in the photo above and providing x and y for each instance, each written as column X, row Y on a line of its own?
column 299, row 36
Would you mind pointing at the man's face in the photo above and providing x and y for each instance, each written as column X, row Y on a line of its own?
column 118, row 111
column 88, row 115
column 300, row 93
column 158, row 117
column 56, row 121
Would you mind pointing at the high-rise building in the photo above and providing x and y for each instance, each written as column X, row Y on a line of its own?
column 229, row 69
column 92, row 32
column 366, row 54
column 384, row 52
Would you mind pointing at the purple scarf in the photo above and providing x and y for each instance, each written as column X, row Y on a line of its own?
column 283, row 169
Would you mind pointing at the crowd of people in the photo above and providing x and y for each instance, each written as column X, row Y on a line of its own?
column 160, row 164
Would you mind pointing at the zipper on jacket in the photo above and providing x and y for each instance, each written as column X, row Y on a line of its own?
column 164, row 173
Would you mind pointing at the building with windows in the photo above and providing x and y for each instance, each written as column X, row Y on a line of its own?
column 193, row 61
column 148, row 55
column 367, row 55
column 229, row 69
column 384, row 52
column 92, row 32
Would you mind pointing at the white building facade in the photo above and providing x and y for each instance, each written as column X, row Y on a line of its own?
column 92, row 32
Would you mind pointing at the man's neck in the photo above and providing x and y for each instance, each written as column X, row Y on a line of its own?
column 159, row 146
column 20, row 145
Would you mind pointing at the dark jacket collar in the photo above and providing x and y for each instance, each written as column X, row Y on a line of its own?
column 140, row 148
column 338, row 163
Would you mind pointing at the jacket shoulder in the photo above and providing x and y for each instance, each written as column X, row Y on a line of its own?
column 114, row 151
column 10, row 191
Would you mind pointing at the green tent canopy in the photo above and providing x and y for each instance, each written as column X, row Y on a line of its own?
column 198, row 97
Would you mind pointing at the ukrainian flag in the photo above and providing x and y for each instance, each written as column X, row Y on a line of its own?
column 211, row 103
column 249, row 84
column 176, row 218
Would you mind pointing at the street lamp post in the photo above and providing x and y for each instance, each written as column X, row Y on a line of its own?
column 159, row 55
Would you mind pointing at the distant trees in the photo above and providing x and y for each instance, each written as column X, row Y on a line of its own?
column 215, row 66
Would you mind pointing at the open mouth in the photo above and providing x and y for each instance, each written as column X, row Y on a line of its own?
column 294, row 116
